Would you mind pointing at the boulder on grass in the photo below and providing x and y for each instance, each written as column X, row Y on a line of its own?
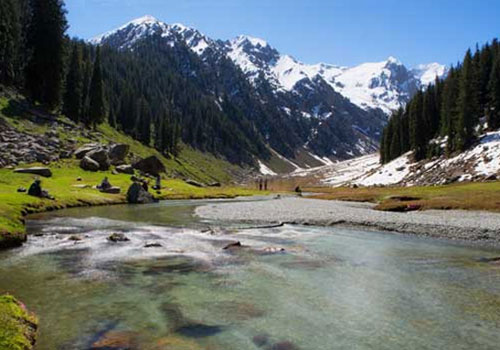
column 125, row 169
column 194, row 183
column 82, row 151
column 151, row 165
column 41, row 171
column 89, row 164
column 117, row 153
column 101, row 157
column 136, row 194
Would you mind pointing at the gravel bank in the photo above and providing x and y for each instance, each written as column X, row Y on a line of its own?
column 473, row 226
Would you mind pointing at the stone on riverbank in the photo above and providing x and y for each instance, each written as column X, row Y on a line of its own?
column 136, row 194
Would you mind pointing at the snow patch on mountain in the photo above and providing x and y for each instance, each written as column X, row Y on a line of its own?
column 385, row 85
column 427, row 73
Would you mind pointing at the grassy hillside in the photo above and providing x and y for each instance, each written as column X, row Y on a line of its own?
column 69, row 192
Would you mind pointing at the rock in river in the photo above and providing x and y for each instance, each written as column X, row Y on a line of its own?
column 118, row 237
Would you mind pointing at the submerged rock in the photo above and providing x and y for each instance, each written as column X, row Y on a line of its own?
column 177, row 343
column 261, row 340
column 118, row 237
column 115, row 340
column 284, row 345
column 41, row 171
column 198, row 330
column 233, row 245
column 153, row 245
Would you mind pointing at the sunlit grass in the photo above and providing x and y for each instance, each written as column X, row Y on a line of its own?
column 468, row 196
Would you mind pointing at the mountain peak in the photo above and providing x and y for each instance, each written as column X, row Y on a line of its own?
column 393, row 60
column 252, row 40
column 144, row 19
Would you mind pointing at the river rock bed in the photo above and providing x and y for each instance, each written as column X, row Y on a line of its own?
column 473, row 226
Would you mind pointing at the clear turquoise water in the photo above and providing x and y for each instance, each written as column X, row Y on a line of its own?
column 332, row 289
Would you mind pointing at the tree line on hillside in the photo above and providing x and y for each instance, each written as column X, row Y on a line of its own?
column 453, row 110
column 157, row 94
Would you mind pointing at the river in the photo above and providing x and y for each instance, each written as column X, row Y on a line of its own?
column 332, row 288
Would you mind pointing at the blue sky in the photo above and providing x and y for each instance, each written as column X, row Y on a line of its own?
column 344, row 32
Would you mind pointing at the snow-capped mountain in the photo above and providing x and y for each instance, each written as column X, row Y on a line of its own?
column 386, row 85
column 322, row 110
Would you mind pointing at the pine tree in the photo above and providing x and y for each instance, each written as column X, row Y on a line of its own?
column 395, row 147
column 484, row 73
column 418, row 128
column 448, row 113
column 97, row 110
column 87, row 78
column 10, row 42
column 46, row 40
column 73, row 97
column 467, row 105
column 494, row 96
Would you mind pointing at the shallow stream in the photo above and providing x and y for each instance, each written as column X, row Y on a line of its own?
column 331, row 288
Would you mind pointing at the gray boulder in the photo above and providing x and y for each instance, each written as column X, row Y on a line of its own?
column 101, row 157
column 125, row 169
column 89, row 164
column 194, row 183
column 151, row 165
column 136, row 194
column 82, row 151
column 45, row 172
column 117, row 153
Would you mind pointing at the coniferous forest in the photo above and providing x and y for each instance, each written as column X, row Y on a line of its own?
column 453, row 110
column 146, row 93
